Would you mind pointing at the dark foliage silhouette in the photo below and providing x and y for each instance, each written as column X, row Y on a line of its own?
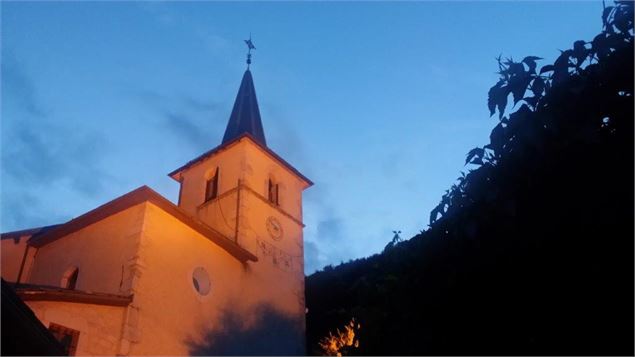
column 273, row 334
column 531, row 252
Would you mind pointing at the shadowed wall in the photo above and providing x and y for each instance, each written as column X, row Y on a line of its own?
column 271, row 333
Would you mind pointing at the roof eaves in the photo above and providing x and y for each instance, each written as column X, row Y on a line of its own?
column 50, row 293
column 230, row 143
column 132, row 198
column 28, row 232
column 203, row 156
column 230, row 246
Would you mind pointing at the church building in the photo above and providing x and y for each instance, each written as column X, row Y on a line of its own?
column 220, row 272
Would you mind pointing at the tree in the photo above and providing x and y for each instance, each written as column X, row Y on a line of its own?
column 596, row 77
column 530, row 252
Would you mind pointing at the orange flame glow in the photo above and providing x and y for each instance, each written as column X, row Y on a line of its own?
column 338, row 344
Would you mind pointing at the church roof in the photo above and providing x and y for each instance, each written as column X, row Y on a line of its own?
column 31, row 232
column 223, row 146
column 132, row 198
column 244, row 121
column 245, row 116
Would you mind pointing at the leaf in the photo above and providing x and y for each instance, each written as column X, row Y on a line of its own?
column 547, row 68
column 518, row 86
column 561, row 66
column 496, row 137
column 614, row 41
column 476, row 152
column 435, row 213
column 563, row 60
column 578, row 46
column 501, row 68
column 477, row 161
column 599, row 45
column 516, row 69
column 501, row 103
column 605, row 14
column 609, row 28
column 530, row 61
column 492, row 95
column 538, row 86
column 580, row 52
column 622, row 16
column 531, row 101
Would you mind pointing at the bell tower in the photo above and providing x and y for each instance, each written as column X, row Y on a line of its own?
column 241, row 183
column 250, row 195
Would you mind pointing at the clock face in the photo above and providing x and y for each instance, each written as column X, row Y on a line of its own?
column 274, row 228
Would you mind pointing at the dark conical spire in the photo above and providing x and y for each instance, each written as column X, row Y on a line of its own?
column 245, row 117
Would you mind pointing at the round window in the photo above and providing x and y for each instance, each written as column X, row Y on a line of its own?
column 201, row 282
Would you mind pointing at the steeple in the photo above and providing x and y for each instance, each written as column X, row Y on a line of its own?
column 245, row 116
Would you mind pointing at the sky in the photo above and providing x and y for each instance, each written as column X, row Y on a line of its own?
column 376, row 102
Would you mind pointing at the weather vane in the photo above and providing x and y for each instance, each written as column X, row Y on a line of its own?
column 250, row 46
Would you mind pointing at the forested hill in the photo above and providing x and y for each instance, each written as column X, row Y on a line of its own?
column 532, row 251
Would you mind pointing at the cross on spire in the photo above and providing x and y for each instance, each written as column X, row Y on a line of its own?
column 250, row 46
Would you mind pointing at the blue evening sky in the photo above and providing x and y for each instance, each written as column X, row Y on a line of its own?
column 376, row 102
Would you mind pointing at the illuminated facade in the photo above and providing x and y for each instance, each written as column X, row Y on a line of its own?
column 221, row 272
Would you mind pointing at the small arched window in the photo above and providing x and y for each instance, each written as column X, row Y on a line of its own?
column 274, row 192
column 69, row 280
column 211, row 187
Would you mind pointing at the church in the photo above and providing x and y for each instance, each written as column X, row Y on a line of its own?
column 220, row 272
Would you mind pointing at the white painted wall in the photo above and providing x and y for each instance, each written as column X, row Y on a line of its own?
column 173, row 317
column 103, row 252
column 145, row 251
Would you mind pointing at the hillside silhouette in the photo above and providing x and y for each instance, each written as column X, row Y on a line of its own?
column 531, row 252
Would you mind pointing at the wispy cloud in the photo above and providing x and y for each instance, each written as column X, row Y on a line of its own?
column 41, row 150
column 330, row 229
column 187, row 129
column 312, row 260
column 159, row 11
column 327, row 239
column 167, row 15
column 193, row 120
column 18, row 86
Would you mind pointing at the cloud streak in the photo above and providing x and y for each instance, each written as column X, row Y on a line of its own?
column 40, row 151
column 190, row 119
column 188, row 130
